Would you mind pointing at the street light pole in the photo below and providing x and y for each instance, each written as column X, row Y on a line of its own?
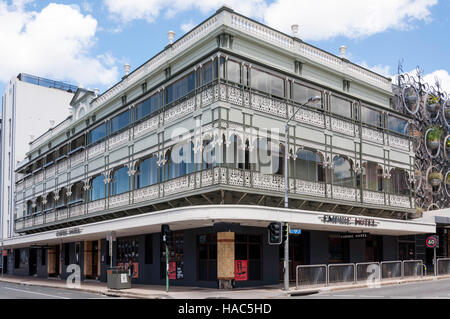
column 286, row 189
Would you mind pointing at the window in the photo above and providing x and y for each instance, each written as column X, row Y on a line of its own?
column 207, row 257
column 248, row 247
column 267, row 83
column 120, row 181
column 399, row 185
column 147, row 107
column 16, row 258
column 180, row 88
column 342, row 172
column 209, row 72
column 301, row 94
column 148, row 249
column 176, row 255
column 397, row 125
column 372, row 177
column 77, row 144
column 97, row 134
column 233, row 71
column 147, row 173
column 371, row 117
column 308, row 166
column 67, row 254
column 120, row 121
column 127, row 250
column 341, row 107
column 97, row 189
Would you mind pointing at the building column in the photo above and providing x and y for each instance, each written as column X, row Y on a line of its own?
column 225, row 259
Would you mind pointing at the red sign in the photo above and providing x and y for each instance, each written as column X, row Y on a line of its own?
column 241, row 270
column 172, row 270
column 432, row 242
column 5, row 253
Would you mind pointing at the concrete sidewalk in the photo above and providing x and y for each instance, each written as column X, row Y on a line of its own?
column 154, row 292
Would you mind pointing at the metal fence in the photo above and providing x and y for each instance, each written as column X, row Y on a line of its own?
column 314, row 275
column 324, row 275
column 367, row 271
column 341, row 273
column 391, row 269
column 443, row 266
column 412, row 268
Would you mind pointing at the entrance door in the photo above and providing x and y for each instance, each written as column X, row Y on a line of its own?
column 5, row 264
column 95, row 259
column 91, row 259
column 33, row 262
column 373, row 249
column 53, row 261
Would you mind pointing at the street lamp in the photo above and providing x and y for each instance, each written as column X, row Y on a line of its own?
column 314, row 99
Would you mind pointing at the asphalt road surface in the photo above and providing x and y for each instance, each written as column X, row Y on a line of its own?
column 437, row 289
column 17, row 291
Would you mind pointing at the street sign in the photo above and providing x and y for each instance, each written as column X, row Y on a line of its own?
column 432, row 241
column 295, row 231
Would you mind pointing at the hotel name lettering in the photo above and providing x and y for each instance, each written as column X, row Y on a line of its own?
column 65, row 232
column 351, row 221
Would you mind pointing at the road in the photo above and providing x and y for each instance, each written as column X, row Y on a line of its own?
column 437, row 289
column 17, row 291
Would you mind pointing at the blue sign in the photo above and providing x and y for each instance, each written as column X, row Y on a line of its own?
column 295, row 231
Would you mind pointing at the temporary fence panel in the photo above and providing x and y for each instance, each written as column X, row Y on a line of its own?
column 391, row 269
column 412, row 268
column 341, row 273
column 368, row 271
column 311, row 275
column 443, row 266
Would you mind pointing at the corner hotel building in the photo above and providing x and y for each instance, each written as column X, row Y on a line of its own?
column 108, row 167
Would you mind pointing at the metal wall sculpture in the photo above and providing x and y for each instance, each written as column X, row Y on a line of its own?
column 429, row 107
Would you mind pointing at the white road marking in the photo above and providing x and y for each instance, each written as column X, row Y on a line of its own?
column 367, row 296
column 37, row 293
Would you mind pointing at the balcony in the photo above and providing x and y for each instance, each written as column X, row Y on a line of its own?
column 213, row 180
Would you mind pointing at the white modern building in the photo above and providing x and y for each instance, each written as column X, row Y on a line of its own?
column 30, row 106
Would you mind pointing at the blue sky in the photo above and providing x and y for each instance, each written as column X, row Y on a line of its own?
column 87, row 42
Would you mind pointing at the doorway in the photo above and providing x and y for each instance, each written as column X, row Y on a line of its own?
column 92, row 259
column 5, row 264
column 33, row 262
column 373, row 249
column 297, row 248
column 53, row 261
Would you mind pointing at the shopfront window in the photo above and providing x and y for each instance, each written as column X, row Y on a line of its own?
column 207, row 257
column 248, row 247
column 176, row 257
column 267, row 83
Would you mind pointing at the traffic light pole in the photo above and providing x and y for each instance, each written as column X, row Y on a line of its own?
column 286, row 205
column 167, row 267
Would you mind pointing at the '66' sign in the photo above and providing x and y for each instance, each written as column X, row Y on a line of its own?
column 432, row 242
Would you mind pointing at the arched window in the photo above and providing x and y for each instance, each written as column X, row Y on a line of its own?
column 146, row 172
column 62, row 200
column 372, row 177
column 39, row 206
column 342, row 171
column 309, row 167
column 120, row 182
column 398, row 182
column 50, row 202
column 77, row 193
column 97, row 188
column 29, row 208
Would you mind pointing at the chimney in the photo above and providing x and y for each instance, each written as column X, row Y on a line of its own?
column 171, row 36
column 126, row 68
column 96, row 92
column 343, row 51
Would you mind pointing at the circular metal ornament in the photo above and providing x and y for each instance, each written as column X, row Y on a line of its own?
column 411, row 97
column 437, row 144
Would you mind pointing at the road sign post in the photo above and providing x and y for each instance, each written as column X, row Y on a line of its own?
column 433, row 242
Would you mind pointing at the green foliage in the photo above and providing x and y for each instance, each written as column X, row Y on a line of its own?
column 432, row 99
column 435, row 175
column 435, row 134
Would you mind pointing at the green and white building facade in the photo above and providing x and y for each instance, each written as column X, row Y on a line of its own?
column 222, row 89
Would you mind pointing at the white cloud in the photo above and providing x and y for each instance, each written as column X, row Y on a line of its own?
column 54, row 42
column 442, row 76
column 318, row 20
column 384, row 70
column 324, row 19
column 188, row 26
column 87, row 6
column 149, row 10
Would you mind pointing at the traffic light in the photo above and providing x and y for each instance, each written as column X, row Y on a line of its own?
column 275, row 236
column 165, row 233
column 285, row 233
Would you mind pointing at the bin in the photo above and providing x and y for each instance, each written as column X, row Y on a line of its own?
column 118, row 278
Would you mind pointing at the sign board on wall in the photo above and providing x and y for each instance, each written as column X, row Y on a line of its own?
column 172, row 270
column 241, row 270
